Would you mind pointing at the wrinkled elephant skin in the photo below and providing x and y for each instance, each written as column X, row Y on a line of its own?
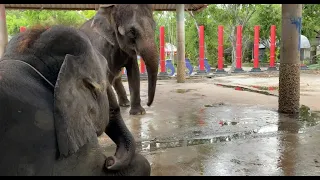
column 120, row 33
column 55, row 101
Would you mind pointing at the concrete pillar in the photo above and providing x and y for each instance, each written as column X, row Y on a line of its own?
column 3, row 30
column 289, row 77
column 181, row 75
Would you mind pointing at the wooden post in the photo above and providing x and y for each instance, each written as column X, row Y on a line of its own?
column 3, row 30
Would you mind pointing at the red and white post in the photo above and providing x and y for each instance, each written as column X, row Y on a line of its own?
column 256, row 67
column 23, row 29
column 220, row 50
column 272, row 66
column 123, row 73
column 201, row 70
column 238, row 68
column 163, row 72
column 142, row 67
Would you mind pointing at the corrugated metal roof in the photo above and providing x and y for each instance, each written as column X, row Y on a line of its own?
column 157, row 7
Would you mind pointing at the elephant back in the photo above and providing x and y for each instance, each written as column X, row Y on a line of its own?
column 27, row 134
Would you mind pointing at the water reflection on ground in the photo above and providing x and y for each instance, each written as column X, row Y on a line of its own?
column 225, row 139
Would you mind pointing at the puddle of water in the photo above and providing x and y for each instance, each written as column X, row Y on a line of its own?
column 236, row 122
column 150, row 146
column 239, row 88
column 266, row 88
column 214, row 105
column 184, row 90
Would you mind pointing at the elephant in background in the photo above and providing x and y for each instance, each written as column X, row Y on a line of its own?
column 120, row 33
column 55, row 101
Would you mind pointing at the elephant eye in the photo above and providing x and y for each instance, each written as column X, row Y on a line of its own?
column 132, row 33
column 91, row 88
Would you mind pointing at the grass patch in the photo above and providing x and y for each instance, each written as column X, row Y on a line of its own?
column 314, row 67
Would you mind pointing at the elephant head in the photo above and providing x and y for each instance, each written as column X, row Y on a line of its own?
column 84, row 105
column 132, row 28
column 80, row 102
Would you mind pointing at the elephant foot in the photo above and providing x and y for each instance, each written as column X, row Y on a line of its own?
column 137, row 110
column 124, row 103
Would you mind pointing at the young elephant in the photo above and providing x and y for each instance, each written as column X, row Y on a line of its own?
column 54, row 103
column 121, row 32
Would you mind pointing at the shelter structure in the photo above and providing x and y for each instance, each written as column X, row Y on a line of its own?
column 304, row 48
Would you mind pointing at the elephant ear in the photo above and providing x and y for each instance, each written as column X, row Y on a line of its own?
column 103, row 23
column 75, row 97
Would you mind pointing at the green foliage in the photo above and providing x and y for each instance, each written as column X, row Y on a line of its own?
column 265, row 16
column 310, row 20
column 29, row 18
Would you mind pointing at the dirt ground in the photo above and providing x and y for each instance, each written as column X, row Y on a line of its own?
column 199, row 128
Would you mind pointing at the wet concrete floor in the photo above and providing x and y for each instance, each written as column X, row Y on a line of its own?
column 198, row 128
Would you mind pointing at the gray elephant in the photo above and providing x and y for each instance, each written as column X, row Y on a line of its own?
column 55, row 101
column 120, row 33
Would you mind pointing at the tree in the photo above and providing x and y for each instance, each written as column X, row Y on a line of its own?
column 310, row 20
column 29, row 18
column 265, row 16
column 311, row 27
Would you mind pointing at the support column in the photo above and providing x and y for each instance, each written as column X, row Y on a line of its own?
column 163, row 70
column 181, row 75
column 143, row 72
column 256, row 67
column 238, row 68
column 3, row 30
column 272, row 66
column 289, row 75
column 23, row 29
column 220, row 68
column 201, row 70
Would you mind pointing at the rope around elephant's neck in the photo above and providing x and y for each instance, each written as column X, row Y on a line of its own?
column 33, row 69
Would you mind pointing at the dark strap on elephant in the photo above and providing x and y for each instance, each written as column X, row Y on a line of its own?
column 33, row 69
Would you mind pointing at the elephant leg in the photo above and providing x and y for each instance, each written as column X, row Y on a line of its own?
column 121, row 92
column 133, row 74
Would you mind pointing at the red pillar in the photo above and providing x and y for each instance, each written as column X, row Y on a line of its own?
column 142, row 67
column 23, row 29
column 201, row 49
column 239, row 50
column 256, row 67
column 220, row 49
column 162, row 53
column 272, row 47
column 123, row 74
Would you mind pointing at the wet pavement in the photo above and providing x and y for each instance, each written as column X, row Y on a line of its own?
column 199, row 128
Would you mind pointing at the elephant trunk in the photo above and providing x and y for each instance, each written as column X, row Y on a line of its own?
column 139, row 166
column 150, row 56
column 120, row 135
column 124, row 140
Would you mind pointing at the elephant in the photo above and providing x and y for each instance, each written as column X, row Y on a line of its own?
column 121, row 32
column 56, row 101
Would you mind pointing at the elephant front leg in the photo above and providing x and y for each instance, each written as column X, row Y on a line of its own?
column 121, row 92
column 134, row 87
